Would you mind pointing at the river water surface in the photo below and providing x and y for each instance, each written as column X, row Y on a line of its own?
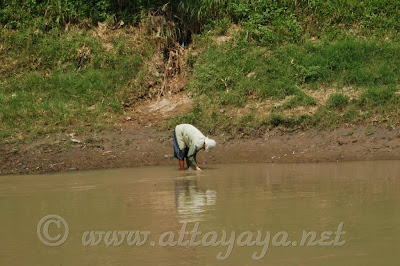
column 357, row 204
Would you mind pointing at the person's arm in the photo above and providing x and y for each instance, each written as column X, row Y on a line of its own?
column 197, row 164
column 192, row 155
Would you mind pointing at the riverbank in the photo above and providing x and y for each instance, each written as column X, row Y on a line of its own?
column 130, row 146
column 284, row 81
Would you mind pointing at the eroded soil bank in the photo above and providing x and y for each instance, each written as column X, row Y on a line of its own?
column 130, row 146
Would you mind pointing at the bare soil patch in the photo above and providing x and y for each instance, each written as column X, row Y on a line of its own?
column 129, row 146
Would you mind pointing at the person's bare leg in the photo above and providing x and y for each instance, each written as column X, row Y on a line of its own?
column 187, row 163
column 181, row 165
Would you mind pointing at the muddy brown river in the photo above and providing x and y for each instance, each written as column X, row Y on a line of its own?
column 233, row 214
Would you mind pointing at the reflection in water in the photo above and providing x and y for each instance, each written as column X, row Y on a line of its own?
column 190, row 201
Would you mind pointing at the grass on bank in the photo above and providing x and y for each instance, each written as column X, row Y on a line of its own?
column 234, row 75
column 56, row 74
column 72, row 80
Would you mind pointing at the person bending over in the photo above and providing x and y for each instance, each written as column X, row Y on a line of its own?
column 188, row 140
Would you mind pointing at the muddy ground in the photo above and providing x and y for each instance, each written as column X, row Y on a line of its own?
column 130, row 146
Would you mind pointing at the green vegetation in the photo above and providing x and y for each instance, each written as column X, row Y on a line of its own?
column 337, row 101
column 65, row 80
column 76, row 65
column 221, row 77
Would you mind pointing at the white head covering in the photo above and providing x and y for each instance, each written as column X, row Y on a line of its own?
column 210, row 143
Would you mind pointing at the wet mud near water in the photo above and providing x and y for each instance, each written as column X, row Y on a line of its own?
column 128, row 147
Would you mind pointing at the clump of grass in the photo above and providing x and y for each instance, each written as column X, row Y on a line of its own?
column 220, row 26
column 299, row 99
column 369, row 131
column 193, row 117
column 276, row 119
column 379, row 96
column 337, row 101
column 351, row 114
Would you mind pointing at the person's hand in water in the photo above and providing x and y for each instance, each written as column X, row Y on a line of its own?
column 198, row 167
